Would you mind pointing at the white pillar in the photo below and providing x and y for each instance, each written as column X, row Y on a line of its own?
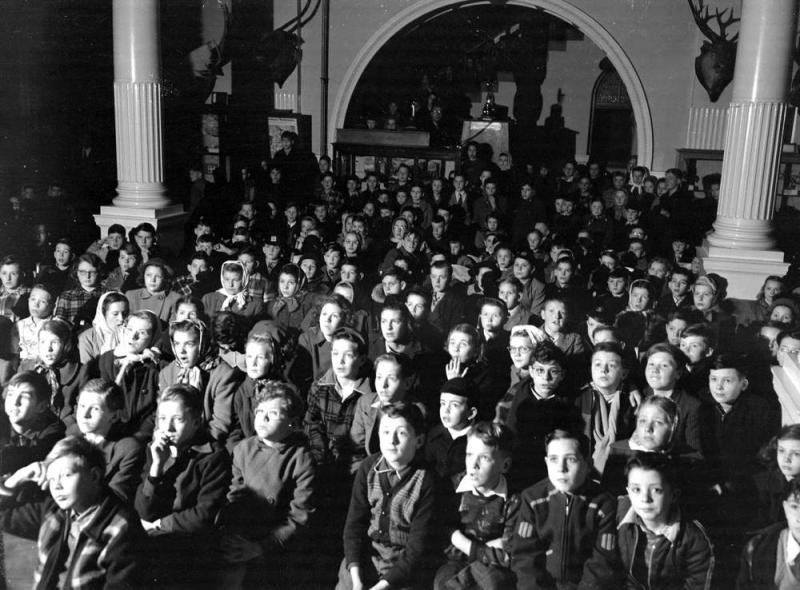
column 141, row 195
column 741, row 246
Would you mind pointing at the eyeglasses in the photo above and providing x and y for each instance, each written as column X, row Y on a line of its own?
column 791, row 351
column 519, row 349
column 87, row 273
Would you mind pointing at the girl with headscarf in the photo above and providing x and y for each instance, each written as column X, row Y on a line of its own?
column 112, row 309
column 233, row 296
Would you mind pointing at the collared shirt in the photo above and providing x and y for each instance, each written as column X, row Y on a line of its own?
column 28, row 331
column 454, row 434
column 394, row 475
column 501, row 489
column 792, row 549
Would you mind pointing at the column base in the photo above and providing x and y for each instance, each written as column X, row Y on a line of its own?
column 745, row 269
column 168, row 221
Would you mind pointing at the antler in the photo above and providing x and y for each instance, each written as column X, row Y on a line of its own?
column 702, row 16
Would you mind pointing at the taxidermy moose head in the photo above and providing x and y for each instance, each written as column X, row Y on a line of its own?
column 714, row 65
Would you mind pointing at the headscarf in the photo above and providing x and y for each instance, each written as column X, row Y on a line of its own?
column 127, row 360
column 109, row 337
column 239, row 300
column 194, row 375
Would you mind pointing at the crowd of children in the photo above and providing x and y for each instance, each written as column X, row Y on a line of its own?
column 525, row 382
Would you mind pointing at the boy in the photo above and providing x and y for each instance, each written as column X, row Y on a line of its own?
column 532, row 288
column 447, row 441
column 615, row 299
column 41, row 303
column 270, row 496
column 680, row 292
column 565, row 535
column 392, row 507
column 87, row 538
column 447, row 304
column 696, row 344
column 659, row 547
column 57, row 276
column 12, row 291
column 259, row 358
column 189, row 284
column 510, row 292
column 108, row 249
column 478, row 555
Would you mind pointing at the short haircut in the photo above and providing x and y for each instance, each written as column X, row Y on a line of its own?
column 392, row 357
column 351, row 335
column 494, row 435
column 419, row 293
column 114, row 297
column 266, row 340
column 49, row 290
column 38, row 382
column 513, row 282
column 681, row 360
column 396, row 304
column 494, row 302
column 442, row 265
column 116, row 228
column 700, row 330
column 85, row 454
column 690, row 316
column 188, row 395
column 547, row 353
column 273, row 389
column 662, row 464
column 793, row 334
column 63, row 330
column 610, row 347
column 571, row 434
column 409, row 412
column 113, row 396
column 679, row 270
column 791, row 490
column 730, row 361
column 227, row 328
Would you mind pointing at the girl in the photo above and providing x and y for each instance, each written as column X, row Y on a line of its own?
column 56, row 361
column 233, row 295
column 781, row 456
column 41, row 302
column 78, row 305
column 197, row 365
column 155, row 294
column 292, row 304
column 250, row 259
column 665, row 365
column 124, row 277
column 639, row 324
column 112, row 309
column 759, row 310
column 131, row 365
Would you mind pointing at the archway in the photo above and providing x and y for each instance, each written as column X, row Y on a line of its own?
column 593, row 30
column 611, row 122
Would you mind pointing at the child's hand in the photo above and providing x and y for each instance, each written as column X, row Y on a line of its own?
column 355, row 578
column 453, row 369
column 152, row 528
column 495, row 543
column 34, row 472
column 635, row 398
column 159, row 450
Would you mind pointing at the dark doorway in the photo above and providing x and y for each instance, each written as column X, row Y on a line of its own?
column 612, row 126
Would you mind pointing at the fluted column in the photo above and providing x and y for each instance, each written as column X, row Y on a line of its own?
column 754, row 136
column 137, row 105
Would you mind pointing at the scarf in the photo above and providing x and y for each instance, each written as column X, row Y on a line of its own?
column 109, row 337
column 291, row 304
column 605, row 426
column 237, row 301
column 54, row 381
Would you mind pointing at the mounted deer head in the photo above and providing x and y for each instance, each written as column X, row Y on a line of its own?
column 714, row 65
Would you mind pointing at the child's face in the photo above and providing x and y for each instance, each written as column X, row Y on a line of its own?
column 484, row 464
column 696, row 348
column 616, row 286
column 454, row 411
column 350, row 244
column 392, row 326
column 520, row 349
column 196, row 267
column 93, row 415
column 154, row 279
column 10, row 276
column 554, row 315
column 257, row 359
column 703, row 297
column 657, row 269
column 608, row 261
column 232, row 282
column 287, row 285
column 460, row 346
column 509, row 294
column 349, row 273
column 678, row 247
column 439, row 279
column 389, row 382
column 788, row 457
column 309, row 268
column 491, row 318
column 791, row 509
column 675, row 329
column 607, row 371
column 783, row 314
column 661, row 371
column 51, row 348
column 546, row 377
column 416, row 306
column 632, row 215
column 333, row 258
column 40, row 304
column 651, row 497
column 330, row 318
column 678, row 285
column 522, row 269
column 272, row 421
column 639, row 299
column 127, row 261
column 177, row 422
column 563, row 273
column 596, row 208
column 72, row 486
column 291, row 214
column 186, row 311
column 391, row 285
column 637, row 249
column 137, row 335
column 726, row 385
column 115, row 241
column 653, row 428
column 345, row 359
column 399, row 442
column 534, row 241
column 503, row 258
column 566, row 467
column 62, row 255
column 248, row 261
column 22, row 405
column 788, row 347
column 204, row 246
column 186, row 347
column 87, row 276
column 145, row 240
column 115, row 314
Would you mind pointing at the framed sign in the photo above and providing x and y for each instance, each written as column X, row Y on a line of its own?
column 276, row 126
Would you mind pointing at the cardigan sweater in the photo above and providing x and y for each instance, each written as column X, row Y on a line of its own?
column 378, row 511
column 161, row 304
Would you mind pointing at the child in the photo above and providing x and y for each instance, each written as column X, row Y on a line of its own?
column 112, row 309
column 447, row 305
column 479, row 551
column 615, row 300
column 270, row 497
column 197, row 280
column 183, row 488
column 494, row 338
column 660, row 547
column 565, row 535
column 78, row 305
column 291, row 305
column 250, row 258
column 446, row 442
column 510, row 292
column 639, row 324
column 607, row 403
column 124, row 276
column 233, row 295
column 55, row 360
column 260, row 364
column 679, row 296
column 57, row 276
column 87, row 537
column 677, row 322
column 555, row 317
column 13, row 293
column 313, row 353
column 392, row 508
column 781, row 455
column 108, row 249
column 41, row 303
column 214, row 378
column 533, row 297
column 698, row 347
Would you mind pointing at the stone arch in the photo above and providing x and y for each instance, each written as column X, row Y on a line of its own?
column 591, row 28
